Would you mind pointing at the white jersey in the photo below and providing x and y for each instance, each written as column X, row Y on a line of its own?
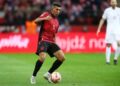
column 113, row 20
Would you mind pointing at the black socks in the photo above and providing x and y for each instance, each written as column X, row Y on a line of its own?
column 37, row 67
column 55, row 65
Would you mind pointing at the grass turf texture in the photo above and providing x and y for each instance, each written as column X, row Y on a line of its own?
column 77, row 70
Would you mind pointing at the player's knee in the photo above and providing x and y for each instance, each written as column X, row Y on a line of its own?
column 60, row 56
column 62, row 59
column 108, row 45
column 42, row 56
column 118, row 44
column 42, row 59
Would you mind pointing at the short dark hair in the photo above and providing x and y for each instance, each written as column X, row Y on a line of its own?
column 56, row 4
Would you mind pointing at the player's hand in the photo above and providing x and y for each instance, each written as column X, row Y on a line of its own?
column 48, row 18
column 97, row 33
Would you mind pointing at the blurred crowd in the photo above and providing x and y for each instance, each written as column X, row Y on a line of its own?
column 16, row 13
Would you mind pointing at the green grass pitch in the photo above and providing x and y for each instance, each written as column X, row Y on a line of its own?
column 78, row 70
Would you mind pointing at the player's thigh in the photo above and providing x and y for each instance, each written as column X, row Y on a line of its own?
column 42, row 56
column 108, row 44
column 41, row 50
column 59, row 55
column 109, row 39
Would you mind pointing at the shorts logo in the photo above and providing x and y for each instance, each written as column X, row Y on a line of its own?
column 42, row 48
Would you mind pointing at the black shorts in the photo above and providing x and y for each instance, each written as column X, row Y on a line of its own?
column 48, row 47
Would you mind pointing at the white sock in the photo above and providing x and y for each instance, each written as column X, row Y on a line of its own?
column 33, row 76
column 117, row 52
column 48, row 73
column 108, row 53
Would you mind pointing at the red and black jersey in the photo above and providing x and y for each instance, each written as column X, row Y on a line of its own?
column 49, row 28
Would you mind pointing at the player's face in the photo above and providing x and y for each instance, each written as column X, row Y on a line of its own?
column 113, row 3
column 56, row 10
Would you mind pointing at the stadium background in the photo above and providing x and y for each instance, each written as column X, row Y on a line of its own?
column 77, row 37
column 78, row 16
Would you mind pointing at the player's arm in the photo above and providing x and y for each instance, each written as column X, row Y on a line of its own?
column 104, row 17
column 37, row 20
column 43, row 17
column 100, row 26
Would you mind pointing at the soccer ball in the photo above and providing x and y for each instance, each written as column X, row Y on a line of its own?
column 55, row 77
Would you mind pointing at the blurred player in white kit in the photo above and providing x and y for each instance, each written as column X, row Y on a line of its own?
column 112, row 16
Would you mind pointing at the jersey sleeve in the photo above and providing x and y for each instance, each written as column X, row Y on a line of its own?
column 104, row 15
column 45, row 14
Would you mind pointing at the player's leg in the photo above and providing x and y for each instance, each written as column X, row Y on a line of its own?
column 109, row 39
column 117, row 52
column 42, row 48
column 108, row 52
column 54, row 50
column 38, row 65
column 60, row 58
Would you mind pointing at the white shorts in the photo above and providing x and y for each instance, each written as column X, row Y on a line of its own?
column 112, row 37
